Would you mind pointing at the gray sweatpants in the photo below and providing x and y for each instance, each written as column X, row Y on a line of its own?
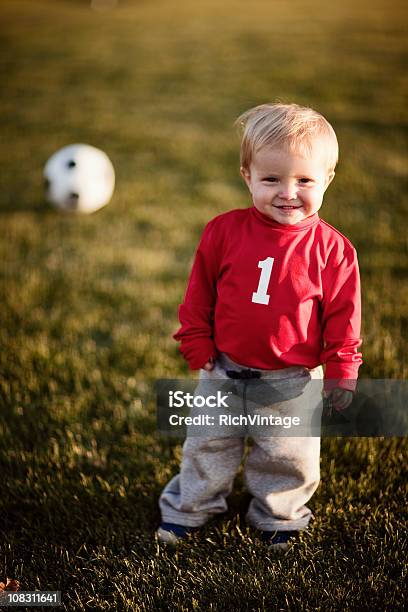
column 281, row 472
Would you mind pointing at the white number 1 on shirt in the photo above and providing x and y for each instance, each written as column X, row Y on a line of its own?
column 260, row 296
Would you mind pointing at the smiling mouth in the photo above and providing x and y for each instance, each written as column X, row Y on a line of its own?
column 287, row 207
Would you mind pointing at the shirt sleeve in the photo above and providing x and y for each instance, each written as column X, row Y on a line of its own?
column 341, row 320
column 196, row 313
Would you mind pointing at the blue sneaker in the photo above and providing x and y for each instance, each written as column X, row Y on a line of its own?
column 170, row 533
column 278, row 540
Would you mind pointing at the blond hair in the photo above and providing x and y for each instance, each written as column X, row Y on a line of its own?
column 297, row 128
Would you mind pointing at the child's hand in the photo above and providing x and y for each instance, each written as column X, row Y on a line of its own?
column 340, row 398
column 209, row 366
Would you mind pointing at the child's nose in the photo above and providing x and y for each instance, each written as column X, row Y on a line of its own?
column 288, row 191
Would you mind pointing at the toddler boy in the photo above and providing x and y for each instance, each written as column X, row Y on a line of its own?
column 273, row 295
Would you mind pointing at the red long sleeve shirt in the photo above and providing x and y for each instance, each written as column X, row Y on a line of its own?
column 272, row 296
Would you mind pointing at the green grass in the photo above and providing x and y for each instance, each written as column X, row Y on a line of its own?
column 88, row 305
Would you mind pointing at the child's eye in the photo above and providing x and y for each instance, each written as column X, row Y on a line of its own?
column 305, row 180
column 271, row 179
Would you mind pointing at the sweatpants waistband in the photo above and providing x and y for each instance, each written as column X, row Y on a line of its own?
column 226, row 363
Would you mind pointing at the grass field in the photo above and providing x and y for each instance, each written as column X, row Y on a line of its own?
column 88, row 305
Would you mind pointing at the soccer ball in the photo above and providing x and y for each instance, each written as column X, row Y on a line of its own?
column 79, row 178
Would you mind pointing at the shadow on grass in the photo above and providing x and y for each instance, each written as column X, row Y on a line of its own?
column 16, row 201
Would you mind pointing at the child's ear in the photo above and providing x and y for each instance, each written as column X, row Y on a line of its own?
column 329, row 178
column 246, row 175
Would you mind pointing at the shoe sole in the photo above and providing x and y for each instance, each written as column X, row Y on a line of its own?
column 281, row 547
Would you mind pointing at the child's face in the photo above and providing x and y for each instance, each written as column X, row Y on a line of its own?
column 286, row 187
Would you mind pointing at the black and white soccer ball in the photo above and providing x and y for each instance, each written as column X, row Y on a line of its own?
column 79, row 178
